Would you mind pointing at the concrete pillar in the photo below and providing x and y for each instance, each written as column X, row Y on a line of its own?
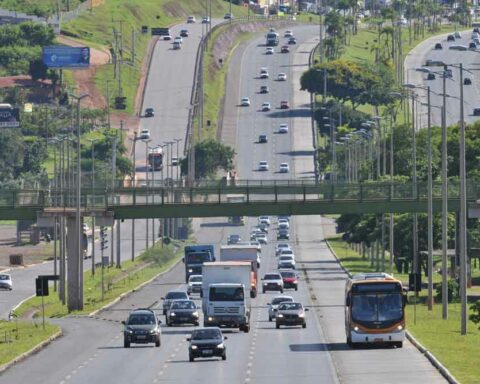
column 74, row 266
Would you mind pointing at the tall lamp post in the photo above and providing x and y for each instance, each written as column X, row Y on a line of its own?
column 134, row 177
column 146, row 179
column 178, row 157
column 92, row 141
column 78, row 217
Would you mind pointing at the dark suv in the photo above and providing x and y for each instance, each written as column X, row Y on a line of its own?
column 207, row 342
column 173, row 295
column 149, row 112
column 141, row 327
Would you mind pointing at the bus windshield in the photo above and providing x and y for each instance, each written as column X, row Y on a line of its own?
column 377, row 307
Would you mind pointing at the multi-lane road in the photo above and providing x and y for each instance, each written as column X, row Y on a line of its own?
column 92, row 348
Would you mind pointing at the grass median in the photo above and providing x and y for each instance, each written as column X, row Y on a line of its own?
column 457, row 353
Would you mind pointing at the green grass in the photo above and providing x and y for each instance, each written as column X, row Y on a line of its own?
column 17, row 337
column 442, row 337
column 116, row 282
column 96, row 28
column 41, row 7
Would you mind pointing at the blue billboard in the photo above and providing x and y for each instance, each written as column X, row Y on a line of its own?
column 62, row 56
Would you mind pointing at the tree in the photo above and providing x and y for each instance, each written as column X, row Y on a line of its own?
column 210, row 156
column 38, row 70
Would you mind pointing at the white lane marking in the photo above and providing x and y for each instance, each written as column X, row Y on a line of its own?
column 68, row 377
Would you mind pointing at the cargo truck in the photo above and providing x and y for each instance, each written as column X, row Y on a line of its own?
column 248, row 253
column 195, row 256
column 226, row 294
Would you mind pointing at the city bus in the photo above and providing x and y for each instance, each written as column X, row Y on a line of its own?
column 155, row 158
column 374, row 310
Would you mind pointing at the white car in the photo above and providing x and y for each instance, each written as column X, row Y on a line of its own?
column 283, row 128
column 144, row 134
column 194, row 284
column 286, row 252
column 264, row 220
column 286, row 261
column 167, row 37
column 263, row 166
column 266, row 107
column 264, row 73
column 283, row 223
column 282, row 76
column 284, row 168
column 6, row 281
column 458, row 47
column 281, row 247
column 273, row 305
column 269, row 51
column 191, row 19
column 272, row 281
column 245, row 102
column 178, row 39
column 288, row 33
column 262, row 238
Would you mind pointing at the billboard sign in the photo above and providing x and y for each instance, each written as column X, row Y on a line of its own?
column 62, row 56
column 160, row 31
column 9, row 117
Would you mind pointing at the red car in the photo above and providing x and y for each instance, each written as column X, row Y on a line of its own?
column 284, row 105
column 290, row 279
column 285, row 49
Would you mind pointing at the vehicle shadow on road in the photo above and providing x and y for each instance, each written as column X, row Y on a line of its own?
column 297, row 153
column 284, row 113
column 217, row 225
column 167, row 331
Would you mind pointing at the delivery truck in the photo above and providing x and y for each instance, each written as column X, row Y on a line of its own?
column 248, row 253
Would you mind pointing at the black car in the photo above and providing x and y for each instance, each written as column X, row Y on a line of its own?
column 431, row 76
column 171, row 296
column 264, row 89
column 182, row 312
column 262, row 139
column 467, row 81
column 207, row 342
column 141, row 327
column 184, row 33
column 472, row 45
column 292, row 40
column 476, row 111
column 450, row 38
column 438, row 46
column 283, row 234
column 149, row 112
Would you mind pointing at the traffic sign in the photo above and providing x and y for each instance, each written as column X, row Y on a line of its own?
column 62, row 56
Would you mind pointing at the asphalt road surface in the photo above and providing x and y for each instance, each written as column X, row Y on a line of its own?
column 470, row 59
column 92, row 348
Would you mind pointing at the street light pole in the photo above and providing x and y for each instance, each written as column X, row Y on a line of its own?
column 92, row 141
column 134, row 176
column 146, row 196
column 430, row 207
column 415, row 189
column 444, row 201
column 463, row 215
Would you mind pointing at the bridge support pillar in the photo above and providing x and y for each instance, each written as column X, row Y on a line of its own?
column 74, row 266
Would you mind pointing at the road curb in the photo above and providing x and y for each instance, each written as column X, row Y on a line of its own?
column 32, row 351
column 433, row 360
column 125, row 294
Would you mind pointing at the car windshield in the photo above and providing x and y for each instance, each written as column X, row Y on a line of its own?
column 205, row 334
column 272, row 276
column 279, row 300
column 195, row 279
column 289, row 306
column 141, row 319
column 377, row 307
column 4, row 277
column 183, row 304
column 226, row 294
column 286, row 257
column 176, row 295
column 288, row 274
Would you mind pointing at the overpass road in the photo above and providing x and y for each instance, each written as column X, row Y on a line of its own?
column 92, row 348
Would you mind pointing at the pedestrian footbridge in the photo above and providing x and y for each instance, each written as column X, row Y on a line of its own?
column 244, row 198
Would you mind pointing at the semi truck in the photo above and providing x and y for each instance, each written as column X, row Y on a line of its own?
column 195, row 256
column 248, row 253
column 272, row 38
column 226, row 294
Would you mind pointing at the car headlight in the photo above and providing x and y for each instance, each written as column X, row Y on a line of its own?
column 194, row 347
column 265, row 283
column 279, row 315
column 195, row 314
column 220, row 346
column 399, row 328
column 210, row 319
column 190, row 270
column 172, row 314
column 301, row 315
column 152, row 331
column 128, row 330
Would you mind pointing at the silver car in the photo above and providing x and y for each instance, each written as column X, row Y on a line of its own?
column 6, row 281
column 194, row 284
column 273, row 305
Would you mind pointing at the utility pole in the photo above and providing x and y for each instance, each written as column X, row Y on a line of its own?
column 134, row 195
column 415, row 189
column 92, row 141
column 146, row 177
column 444, row 201
column 430, row 207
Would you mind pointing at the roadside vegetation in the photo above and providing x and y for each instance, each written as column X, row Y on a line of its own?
column 441, row 337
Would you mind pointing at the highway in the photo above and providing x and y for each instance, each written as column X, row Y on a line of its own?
column 470, row 59
column 92, row 348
